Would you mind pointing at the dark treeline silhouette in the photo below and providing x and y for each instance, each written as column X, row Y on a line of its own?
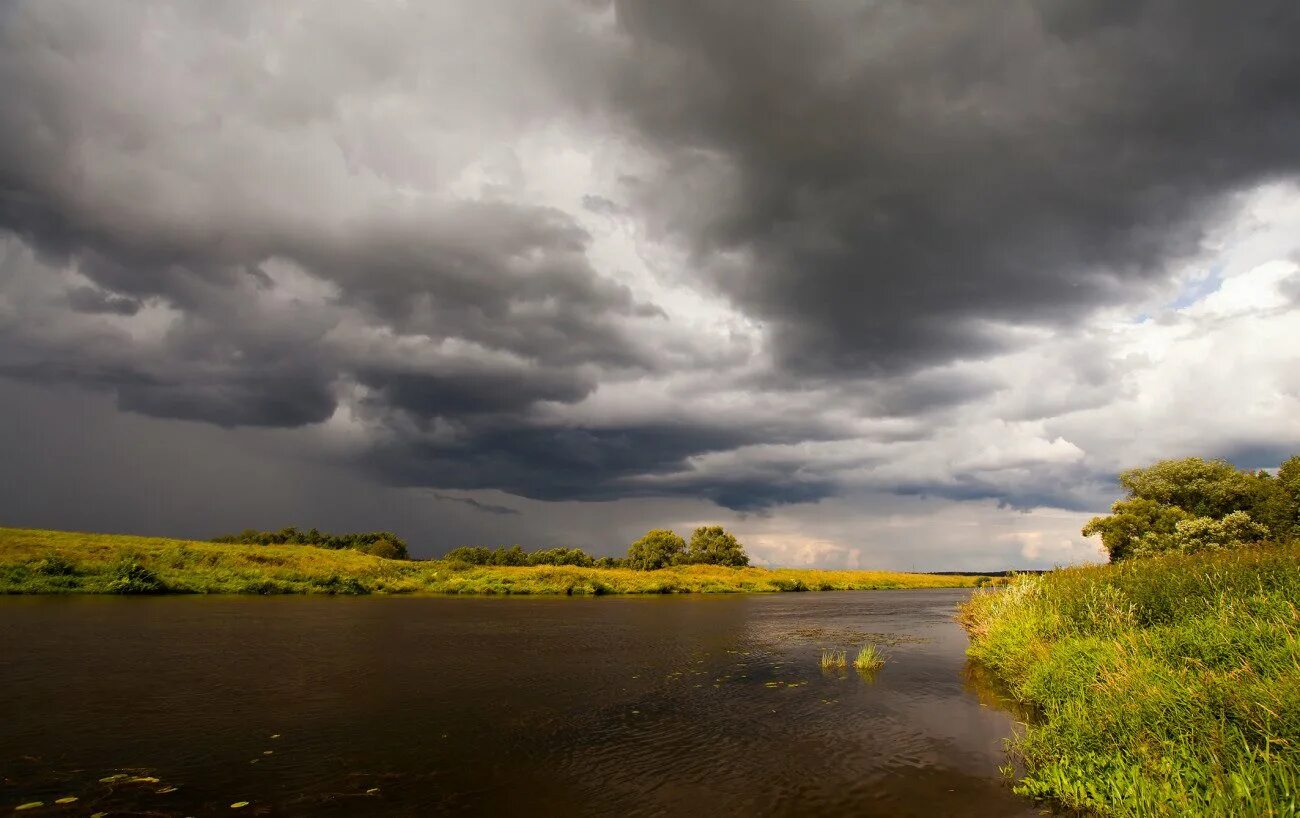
column 659, row 548
column 1193, row 505
column 377, row 543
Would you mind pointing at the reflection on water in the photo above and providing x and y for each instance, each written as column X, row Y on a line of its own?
column 374, row 706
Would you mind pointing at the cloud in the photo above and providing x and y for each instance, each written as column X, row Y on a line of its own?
column 486, row 508
column 886, row 183
column 759, row 255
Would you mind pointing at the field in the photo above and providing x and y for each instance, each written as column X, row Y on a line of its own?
column 1163, row 686
column 59, row 562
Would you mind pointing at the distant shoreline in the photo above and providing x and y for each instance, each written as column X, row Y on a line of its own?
column 36, row 561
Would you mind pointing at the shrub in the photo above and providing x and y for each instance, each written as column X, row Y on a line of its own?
column 133, row 578
column 659, row 548
column 367, row 542
column 713, row 545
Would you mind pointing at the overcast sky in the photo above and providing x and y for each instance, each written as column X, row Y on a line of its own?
column 888, row 283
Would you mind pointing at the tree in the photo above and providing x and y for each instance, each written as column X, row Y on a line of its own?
column 1197, row 534
column 1192, row 505
column 659, row 548
column 712, row 545
column 1132, row 520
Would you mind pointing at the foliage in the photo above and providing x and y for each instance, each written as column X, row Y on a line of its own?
column 515, row 555
column 1162, row 686
column 384, row 544
column 659, row 548
column 1191, row 505
column 712, row 545
column 34, row 562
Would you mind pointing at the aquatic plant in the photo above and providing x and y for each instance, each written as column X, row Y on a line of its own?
column 832, row 659
column 869, row 658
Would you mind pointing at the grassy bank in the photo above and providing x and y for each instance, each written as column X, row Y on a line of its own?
column 1166, row 686
column 44, row 562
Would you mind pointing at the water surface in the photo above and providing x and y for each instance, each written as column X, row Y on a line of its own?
column 683, row 705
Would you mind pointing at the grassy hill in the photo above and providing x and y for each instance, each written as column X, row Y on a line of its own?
column 36, row 561
column 1160, row 686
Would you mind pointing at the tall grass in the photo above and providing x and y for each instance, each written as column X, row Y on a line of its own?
column 869, row 658
column 834, row 659
column 53, row 562
column 1166, row 686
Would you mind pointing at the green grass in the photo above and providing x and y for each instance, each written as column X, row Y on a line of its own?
column 834, row 659
column 60, row 562
column 1166, row 686
column 869, row 658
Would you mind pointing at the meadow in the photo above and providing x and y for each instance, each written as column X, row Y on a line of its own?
column 36, row 561
column 1160, row 686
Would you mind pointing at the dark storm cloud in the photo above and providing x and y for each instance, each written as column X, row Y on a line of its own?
column 593, row 464
column 92, row 299
column 486, row 508
column 895, row 175
column 231, row 215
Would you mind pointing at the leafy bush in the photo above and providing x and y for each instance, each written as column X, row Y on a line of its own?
column 659, row 548
column 378, row 543
column 713, row 545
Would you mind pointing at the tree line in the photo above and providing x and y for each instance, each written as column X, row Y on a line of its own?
column 377, row 543
column 658, row 548
column 1192, row 505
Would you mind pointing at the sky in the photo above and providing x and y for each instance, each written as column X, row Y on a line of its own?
column 872, row 283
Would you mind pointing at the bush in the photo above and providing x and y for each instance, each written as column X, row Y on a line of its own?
column 378, row 543
column 133, row 578
column 659, row 548
column 713, row 545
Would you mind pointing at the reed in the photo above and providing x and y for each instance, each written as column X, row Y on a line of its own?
column 834, row 659
column 869, row 658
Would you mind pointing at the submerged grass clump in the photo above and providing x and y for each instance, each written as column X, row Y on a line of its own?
column 869, row 658
column 834, row 659
column 1166, row 686
column 62, row 562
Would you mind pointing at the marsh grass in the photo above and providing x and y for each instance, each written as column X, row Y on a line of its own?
column 869, row 658
column 1166, row 686
column 834, row 659
column 61, row 562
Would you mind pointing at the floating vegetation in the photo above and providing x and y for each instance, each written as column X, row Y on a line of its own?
column 29, row 805
column 869, row 658
column 239, row 805
column 67, row 799
column 832, row 659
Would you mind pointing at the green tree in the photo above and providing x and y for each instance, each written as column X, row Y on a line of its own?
column 713, row 545
column 1130, row 521
column 1193, row 504
column 659, row 548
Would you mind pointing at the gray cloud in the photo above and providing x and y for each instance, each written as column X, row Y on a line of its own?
column 330, row 224
column 486, row 508
column 894, row 176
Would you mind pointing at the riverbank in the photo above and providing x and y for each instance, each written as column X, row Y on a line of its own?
column 1163, row 686
column 34, row 561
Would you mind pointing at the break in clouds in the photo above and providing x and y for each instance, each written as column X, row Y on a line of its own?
column 816, row 264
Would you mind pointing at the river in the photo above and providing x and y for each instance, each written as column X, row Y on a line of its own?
column 629, row 706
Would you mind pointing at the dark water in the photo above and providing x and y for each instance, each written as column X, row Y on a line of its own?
column 614, row 706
